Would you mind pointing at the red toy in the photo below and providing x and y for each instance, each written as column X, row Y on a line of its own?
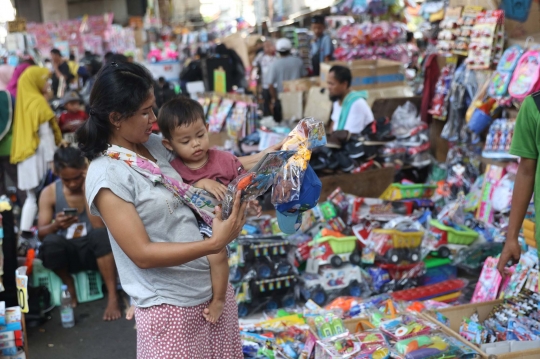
column 429, row 291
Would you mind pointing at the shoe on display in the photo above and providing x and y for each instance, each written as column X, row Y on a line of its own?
column 337, row 138
column 344, row 162
column 378, row 132
column 355, row 149
column 420, row 160
column 318, row 161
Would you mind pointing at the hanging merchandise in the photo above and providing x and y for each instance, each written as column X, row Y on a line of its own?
column 462, row 92
column 487, row 40
column 383, row 40
column 526, row 77
column 499, row 139
column 216, row 119
column 439, row 104
column 449, row 31
column 498, row 87
column 465, row 25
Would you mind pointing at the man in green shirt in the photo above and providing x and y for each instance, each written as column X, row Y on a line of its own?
column 525, row 144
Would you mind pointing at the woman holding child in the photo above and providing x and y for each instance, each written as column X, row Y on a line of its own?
column 155, row 220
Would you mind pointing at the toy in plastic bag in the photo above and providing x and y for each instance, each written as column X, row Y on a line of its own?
column 308, row 134
column 255, row 182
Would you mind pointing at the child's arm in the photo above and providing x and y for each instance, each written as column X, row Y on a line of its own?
column 213, row 187
column 521, row 197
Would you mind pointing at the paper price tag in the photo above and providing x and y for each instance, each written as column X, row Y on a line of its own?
column 22, row 285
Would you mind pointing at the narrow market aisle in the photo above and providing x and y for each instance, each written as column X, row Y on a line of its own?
column 90, row 338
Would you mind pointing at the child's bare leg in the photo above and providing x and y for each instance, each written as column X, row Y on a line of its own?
column 219, row 272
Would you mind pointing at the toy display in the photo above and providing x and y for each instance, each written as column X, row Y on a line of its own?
column 499, row 139
column 465, row 26
column 487, row 39
column 262, row 274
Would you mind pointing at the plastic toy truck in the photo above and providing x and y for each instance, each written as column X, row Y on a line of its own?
column 348, row 279
column 395, row 246
column 443, row 239
column 332, row 248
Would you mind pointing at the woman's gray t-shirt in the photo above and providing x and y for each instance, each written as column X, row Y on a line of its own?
column 166, row 219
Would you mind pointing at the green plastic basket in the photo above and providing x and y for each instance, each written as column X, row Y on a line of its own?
column 41, row 276
column 88, row 284
column 464, row 237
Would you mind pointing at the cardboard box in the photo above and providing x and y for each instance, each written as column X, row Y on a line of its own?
column 292, row 105
column 318, row 104
column 369, row 74
column 455, row 316
column 300, row 85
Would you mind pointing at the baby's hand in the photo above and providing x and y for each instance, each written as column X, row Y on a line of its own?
column 214, row 187
column 254, row 208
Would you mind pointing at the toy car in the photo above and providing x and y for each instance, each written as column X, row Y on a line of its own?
column 395, row 246
column 333, row 250
column 442, row 237
column 348, row 279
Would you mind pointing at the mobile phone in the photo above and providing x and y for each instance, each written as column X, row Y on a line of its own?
column 70, row 212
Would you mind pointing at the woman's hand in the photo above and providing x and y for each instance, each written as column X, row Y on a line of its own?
column 213, row 187
column 225, row 231
column 511, row 252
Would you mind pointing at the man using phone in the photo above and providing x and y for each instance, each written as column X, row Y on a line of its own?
column 72, row 239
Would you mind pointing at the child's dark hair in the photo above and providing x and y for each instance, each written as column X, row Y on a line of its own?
column 68, row 157
column 120, row 87
column 180, row 111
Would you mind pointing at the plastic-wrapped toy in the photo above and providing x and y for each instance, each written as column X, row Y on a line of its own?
column 404, row 327
column 348, row 280
column 255, row 182
column 423, row 347
column 398, row 241
column 307, row 135
column 334, row 250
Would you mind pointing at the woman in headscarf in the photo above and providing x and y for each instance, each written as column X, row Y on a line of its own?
column 12, row 84
column 6, row 117
column 35, row 137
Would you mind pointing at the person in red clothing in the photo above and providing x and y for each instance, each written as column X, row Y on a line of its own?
column 73, row 117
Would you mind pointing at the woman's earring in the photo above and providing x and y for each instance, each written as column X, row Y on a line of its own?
column 117, row 128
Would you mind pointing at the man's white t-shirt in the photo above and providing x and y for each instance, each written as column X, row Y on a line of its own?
column 359, row 116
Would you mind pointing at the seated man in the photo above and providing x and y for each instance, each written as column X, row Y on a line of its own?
column 350, row 111
column 73, row 240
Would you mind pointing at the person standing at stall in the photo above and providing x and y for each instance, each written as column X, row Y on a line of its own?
column 61, row 73
column 285, row 68
column 263, row 61
column 526, row 145
column 35, row 136
column 322, row 49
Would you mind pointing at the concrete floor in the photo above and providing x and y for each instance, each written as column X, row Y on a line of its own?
column 90, row 338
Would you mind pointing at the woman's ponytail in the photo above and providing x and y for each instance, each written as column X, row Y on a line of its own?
column 93, row 137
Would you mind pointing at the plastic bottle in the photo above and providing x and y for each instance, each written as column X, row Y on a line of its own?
column 66, row 310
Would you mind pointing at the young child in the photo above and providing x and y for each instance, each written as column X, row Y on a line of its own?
column 73, row 117
column 185, row 133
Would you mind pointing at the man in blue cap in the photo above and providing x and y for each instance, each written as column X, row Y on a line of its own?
column 289, row 215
